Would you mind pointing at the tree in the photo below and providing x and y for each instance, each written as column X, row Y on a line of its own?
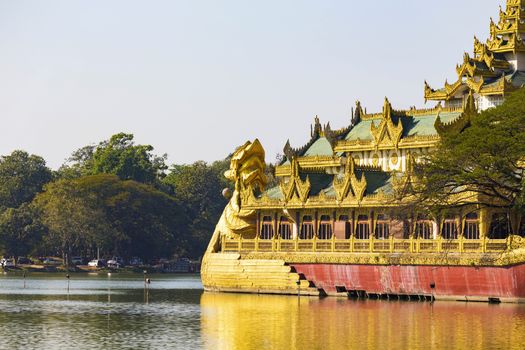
column 485, row 161
column 149, row 222
column 118, row 217
column 20, row 230
column 74, row 219
column 119, row 156
column 198, row 187
column 22, row 176
column 79, row 164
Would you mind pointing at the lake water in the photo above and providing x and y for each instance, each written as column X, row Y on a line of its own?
column 115, row 312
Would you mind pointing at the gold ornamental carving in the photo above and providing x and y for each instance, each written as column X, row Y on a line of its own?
column 387, row 132
column 394, row 158
column 359, row 186
column 246, row 170
column 295, row 186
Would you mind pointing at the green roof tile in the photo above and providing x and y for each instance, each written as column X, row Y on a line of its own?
column 423, row 125
column 274, row 193
column 321, row 147
column 362, row 130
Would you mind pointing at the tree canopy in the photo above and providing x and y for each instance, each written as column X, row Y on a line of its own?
column 114, row 196
column 75, row 219
column 121, row 217
column 22, row 176
column 20, row 230
column 119, row 156
column 198, row 186
column 483, row 164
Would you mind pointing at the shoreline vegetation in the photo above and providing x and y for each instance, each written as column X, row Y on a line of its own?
column 26, row 270
column 115, row 198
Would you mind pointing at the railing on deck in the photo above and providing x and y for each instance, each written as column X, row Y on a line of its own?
column 372, row 245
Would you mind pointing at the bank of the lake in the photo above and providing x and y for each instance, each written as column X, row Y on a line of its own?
column 102, row 311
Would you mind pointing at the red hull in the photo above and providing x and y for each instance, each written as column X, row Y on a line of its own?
column 457, row 282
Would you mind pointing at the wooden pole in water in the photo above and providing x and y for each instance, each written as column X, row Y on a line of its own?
column 145, row 287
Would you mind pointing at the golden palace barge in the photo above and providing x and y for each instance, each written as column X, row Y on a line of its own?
column 331, row 225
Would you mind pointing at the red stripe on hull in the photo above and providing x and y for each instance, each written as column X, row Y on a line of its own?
column 449, row 281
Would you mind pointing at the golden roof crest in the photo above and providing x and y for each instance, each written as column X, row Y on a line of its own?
column 387, row 128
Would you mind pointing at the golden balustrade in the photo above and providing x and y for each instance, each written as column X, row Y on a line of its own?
column 371, row 245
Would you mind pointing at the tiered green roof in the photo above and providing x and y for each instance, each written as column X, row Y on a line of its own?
column 376, row 151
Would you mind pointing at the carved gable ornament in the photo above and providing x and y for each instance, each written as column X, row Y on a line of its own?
column 387, row 133
column 350, row 183
column 295, row 185
column 342, row 186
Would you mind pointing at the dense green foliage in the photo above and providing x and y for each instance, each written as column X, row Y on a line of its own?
column 487, row 159
column 199, row 187
column 73, row 218
column 114, row 197
column 119, row 156
column 120, row 217
column 22, row 176
column 20, row 230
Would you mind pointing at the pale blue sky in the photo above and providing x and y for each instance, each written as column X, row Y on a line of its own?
column 196, row 78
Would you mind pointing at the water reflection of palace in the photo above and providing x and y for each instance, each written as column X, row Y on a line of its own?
column 238, row 321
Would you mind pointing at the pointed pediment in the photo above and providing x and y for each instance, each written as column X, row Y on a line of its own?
column 342, row 185
column 349, row 184
column 359, row 186
column 295, row 187
column 387, row 132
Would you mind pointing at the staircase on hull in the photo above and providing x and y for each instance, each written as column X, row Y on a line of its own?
column 227, row 272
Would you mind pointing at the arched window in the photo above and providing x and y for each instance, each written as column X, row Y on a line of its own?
column 325, row 227
column 450, row 228
column 424, row 227
column 471, row 230
column 499, row 226
column 267, row 228
column 307, row 228
column 285, row 228
column 382, row 227
column 363, row 227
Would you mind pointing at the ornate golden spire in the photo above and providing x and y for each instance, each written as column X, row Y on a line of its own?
column 507, row 35
column 497, row 57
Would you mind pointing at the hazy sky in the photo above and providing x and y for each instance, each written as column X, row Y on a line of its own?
column 196, row 78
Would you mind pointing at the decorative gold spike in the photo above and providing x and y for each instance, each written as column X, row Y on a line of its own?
column 359, row 186
column 295, row 186
column 342, row 186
